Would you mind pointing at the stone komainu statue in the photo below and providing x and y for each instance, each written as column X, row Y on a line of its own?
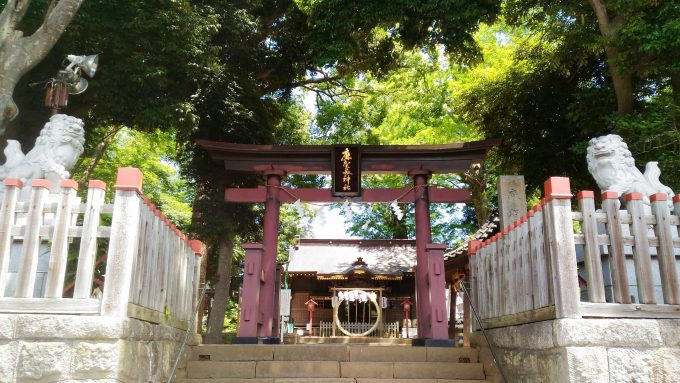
column 613, row 167
column 55, row 152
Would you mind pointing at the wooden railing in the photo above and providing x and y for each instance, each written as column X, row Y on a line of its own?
column 151, row 272
column 555, row 263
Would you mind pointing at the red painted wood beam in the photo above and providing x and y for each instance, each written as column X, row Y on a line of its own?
column 288, row 195
column 375, row 159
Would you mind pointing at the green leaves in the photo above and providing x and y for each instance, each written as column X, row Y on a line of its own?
column 153, row 154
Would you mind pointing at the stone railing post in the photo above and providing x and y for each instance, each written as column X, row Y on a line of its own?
column 665, row 251
column 198, row 249
column 59, row 257
column 474, row 247
column 592, row 257
column 88, row 240
column 251, row 316
column 642, row 259
column 617, row 265
column 40, row 190
column 7, row 218
column 561, row 247
column 123, row 242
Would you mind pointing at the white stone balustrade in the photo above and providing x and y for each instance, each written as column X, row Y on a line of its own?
column 557, row 263
column 152, row 269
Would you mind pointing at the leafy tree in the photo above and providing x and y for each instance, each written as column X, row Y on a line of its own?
column 556, row 95
column 153, row 154
column 540, row 115
column 136, row 85
column 417, row 104
column 638, row 38
column 653, row 134
column 319, row 41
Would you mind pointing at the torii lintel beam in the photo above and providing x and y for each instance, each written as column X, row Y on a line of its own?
column 375, row 159
column 289, row 195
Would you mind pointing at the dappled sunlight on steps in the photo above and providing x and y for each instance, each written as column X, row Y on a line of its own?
column 333, row 364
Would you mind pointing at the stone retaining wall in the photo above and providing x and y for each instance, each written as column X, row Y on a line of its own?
column 96, row 349
column 587, row 351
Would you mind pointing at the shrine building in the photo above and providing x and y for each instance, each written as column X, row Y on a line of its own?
column 324, row 270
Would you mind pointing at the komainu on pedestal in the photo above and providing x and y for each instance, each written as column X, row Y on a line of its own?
column 56, row 151
column 613, row 167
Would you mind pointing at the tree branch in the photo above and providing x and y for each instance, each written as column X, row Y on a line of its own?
column 42, row 41
column 98, row 154
column 310, row 81
column 601, row 15
column 50, row 8
column 11, row 15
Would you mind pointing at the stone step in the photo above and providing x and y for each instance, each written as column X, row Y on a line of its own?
column 331, row 352
column 334, row 369
column 330, row 380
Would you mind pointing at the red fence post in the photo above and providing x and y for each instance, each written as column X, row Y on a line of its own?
column 561, row 247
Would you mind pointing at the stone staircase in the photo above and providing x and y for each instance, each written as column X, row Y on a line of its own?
column 333, row 363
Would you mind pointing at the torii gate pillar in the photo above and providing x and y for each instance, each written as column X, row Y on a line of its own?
column 430, row 283
column 270, row 243
column 423, row 237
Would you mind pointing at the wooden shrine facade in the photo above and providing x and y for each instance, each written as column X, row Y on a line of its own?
column 259, row 310
column 321, row 269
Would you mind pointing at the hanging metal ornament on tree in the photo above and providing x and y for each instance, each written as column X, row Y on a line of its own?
column 69, row 81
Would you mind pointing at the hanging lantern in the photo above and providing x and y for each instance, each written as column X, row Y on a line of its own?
column 407, row 305
column 407, row 314
column 56, row 96
column 311, row 306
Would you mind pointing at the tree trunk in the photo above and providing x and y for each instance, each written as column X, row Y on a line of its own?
column 223, row 279
column 623, row 84
column 675, row 86
column 621, row 78
column 476, row 178
column 19, row 54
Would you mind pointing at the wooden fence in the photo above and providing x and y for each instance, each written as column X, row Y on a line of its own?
column 151, row 273
column 559, row 263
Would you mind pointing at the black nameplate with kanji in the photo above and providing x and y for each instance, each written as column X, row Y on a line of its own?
column 346, row 170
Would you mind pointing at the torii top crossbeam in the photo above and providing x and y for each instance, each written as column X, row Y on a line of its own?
column 316, row 159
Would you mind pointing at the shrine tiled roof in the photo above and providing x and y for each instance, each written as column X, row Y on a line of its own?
column 325, row 256
column 487, row 230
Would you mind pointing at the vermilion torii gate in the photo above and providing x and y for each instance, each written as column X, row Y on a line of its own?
column 259, row 308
